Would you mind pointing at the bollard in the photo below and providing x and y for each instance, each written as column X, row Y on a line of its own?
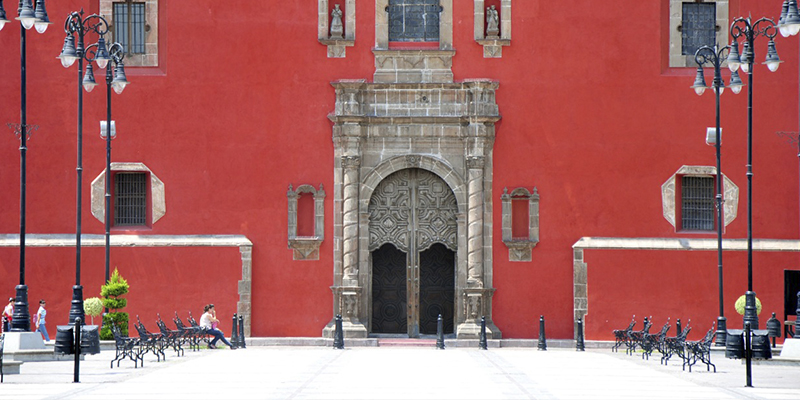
column 482, row 338
column 235, row 332
column 579, row 344
column 77, row 350
column 678, row 327
column 241, row 332
column 440, row 333
column 748, row 355
column 542, row 336
column 774, row 328
column 338, row 335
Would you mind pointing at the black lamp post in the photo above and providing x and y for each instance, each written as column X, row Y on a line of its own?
column 748, row 31
column 789, row 25
column 77, row 27
column 715, row 57
column 28, row 18
column 118, row 82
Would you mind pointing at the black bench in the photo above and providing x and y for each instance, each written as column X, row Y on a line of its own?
column 127, row 347
column 190, row 334
column 675, row 345
column 621, row 335
column 151, row 343
column 701, row 351
column 173, row 338
column 653, row 341
column 635, row 338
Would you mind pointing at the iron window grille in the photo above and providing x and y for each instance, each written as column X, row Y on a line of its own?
column 414, row 20
column 697, row 203
column 130, row 26
column 130, row 199
column 698, row 26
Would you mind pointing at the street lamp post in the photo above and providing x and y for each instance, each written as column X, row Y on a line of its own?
column 28, row 18
column 715, row 57
column 748, row 31
column 789, row 25
column 117, row 81
column 77, row 27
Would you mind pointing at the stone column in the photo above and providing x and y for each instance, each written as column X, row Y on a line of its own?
column 350, row 165
column 475, row 221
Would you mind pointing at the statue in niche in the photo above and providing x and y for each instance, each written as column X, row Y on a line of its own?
column 337, row 29
column 492, row 22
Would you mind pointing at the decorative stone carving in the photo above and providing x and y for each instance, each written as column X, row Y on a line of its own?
column 492, row 23
column 519, row 248
column 669, row 201
column 157, row 191
column 337, row 29
column 306, row 247
column 493, row 31
column 430, row 129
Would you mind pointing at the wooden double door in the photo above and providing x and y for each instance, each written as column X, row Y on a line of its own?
column 413, row 236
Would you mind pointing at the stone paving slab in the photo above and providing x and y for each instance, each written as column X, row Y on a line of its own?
column 398, row 373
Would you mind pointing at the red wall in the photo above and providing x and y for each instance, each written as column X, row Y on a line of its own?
column 237, row 111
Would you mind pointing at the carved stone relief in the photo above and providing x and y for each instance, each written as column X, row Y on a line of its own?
column 730, row 193
column 444, row 131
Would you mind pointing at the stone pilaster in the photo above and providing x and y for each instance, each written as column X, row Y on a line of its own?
column 245, row 288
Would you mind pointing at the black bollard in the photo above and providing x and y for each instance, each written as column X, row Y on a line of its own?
column 579, row 345
column 482, row 338
column 678, row 327
column 338, row 334
column 773, row 328
column 748, row 354
column 440, row 333
column 77, row 377
column 235, row 332
column 241, row 332
column 542, row 336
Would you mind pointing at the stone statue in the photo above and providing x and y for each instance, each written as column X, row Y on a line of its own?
column 492, row 22
column 337, row 29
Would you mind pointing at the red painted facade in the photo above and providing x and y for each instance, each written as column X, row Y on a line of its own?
column 237, row 110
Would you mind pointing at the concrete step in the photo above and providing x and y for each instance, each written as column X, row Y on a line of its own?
column 407, row 342
column 11, row 367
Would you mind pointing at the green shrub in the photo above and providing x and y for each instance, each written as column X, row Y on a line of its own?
column 93, row 307
column 115, row 287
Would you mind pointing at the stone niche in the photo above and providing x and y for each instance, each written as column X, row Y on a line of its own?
column 413, row 116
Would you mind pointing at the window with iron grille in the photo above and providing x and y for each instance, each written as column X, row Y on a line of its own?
column 698, row 27
column 130, row 199
column 129, row 26
column 414, row 20
column 697, row 203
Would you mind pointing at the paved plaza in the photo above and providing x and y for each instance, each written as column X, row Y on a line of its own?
column 399, row 373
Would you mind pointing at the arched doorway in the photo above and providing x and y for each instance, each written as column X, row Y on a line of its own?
column 412, row 243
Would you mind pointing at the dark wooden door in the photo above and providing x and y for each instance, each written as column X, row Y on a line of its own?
column 389, row 295
column 437, row 288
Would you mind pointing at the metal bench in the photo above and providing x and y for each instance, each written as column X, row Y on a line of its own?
column 126, row 347
column 621, row 335
column 173, row 338
column 675, row 345
column 151, row 343
column 701, row 351
column 653, row 341
column 635, row 338
column 191, row 335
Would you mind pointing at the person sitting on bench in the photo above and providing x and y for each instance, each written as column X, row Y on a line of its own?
column 206, row 321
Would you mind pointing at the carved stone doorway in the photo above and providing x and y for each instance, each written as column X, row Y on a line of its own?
column 413, row 239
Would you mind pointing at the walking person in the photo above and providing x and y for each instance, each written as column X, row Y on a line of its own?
column 208, row 321
column 8, row 313
column 40, row 321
